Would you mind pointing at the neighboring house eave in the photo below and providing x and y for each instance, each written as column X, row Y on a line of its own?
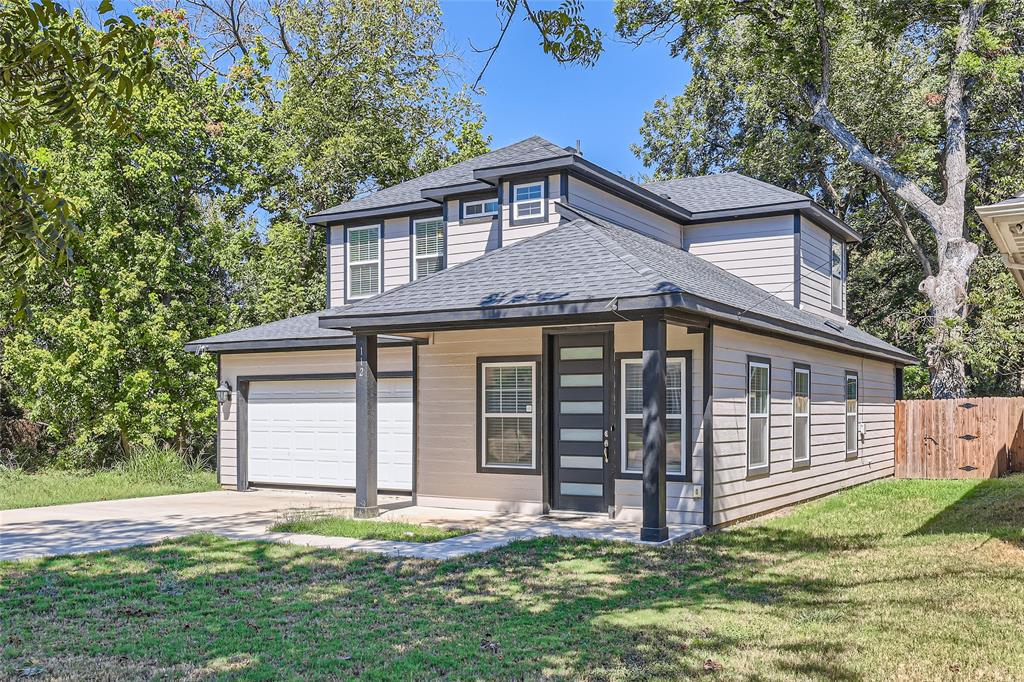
column 602, row 310
column 1001, row 220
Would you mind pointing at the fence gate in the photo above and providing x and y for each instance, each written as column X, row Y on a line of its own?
column 966, row 438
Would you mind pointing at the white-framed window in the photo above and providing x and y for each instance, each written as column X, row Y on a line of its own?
column 852, row 395
column 632, row 426
column 480, row 208
column 837, row 274
column 801, row 414
column 759, row 398
column 528, row 201
column 508, row 429
column 428, row 246
column 363, row 261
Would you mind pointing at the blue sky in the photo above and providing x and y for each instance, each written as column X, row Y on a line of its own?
column 528, row 93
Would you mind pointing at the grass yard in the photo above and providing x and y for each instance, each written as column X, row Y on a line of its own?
column 340, row 526
column 908, row 580
column 19, row 489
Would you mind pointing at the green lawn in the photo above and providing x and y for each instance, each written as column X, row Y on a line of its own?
column 19, row 489
column 895, row 580
column 340, row 526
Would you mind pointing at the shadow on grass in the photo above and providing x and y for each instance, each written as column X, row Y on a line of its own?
column 993, row 507
column 569, row 608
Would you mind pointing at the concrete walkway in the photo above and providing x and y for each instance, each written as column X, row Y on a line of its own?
column 98, row 526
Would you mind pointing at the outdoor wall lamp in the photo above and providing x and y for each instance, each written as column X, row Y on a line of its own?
column 223, row 392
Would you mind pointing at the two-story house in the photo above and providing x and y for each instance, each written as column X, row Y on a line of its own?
column 526, row 331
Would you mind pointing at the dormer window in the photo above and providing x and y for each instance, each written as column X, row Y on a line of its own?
column 528, row 201
column 479, row 208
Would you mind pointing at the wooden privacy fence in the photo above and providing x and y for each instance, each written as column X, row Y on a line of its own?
column 966, row 438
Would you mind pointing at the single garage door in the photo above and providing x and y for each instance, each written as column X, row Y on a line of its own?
column 304, row 433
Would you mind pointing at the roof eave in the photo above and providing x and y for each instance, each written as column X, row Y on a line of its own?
column 445, row 191
column 806, row 208
column 375, row 212
column 598, row 310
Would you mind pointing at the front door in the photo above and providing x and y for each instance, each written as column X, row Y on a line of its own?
column 581, row 419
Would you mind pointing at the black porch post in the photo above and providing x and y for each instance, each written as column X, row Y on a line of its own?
column 654, row 527
column 366, row 426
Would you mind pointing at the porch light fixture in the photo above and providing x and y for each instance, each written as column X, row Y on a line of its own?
column 223, row 392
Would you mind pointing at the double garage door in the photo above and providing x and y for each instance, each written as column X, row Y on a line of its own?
column 304, row 433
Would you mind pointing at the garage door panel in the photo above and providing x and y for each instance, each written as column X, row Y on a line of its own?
column 303, row 433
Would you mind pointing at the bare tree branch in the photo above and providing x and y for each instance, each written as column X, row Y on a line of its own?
column 494, row 48
column 908, row 233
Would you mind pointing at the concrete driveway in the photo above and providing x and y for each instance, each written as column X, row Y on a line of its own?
column 96, row 526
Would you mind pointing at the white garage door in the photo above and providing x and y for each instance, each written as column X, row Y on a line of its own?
column 304, row 433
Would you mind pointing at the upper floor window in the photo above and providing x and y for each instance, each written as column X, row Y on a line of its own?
column 480, row 208
column 528, row 201
column 363, row 261
column 758, row 410
column 838, row 270
column 428, row 249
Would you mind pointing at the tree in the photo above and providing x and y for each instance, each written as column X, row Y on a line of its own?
column 101, row 361
column 56, row 71
column 900, row 103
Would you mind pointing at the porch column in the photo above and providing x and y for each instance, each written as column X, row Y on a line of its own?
column 366, row 426
column 654, row 527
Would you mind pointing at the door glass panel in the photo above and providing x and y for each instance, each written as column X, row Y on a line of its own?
column 580, row 380
column 582, row 407
column 582, row 353
column 588, row 435
column 587, row 489
column 580, row 462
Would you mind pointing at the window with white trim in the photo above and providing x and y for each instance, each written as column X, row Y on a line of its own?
column 480, row 208
column 838, row 271
column 632, row 382
column 801, row 415
column 852, row 420
column 428, row 246
column 363, row 261
column 528, row 201
column 758, row 409
column 507, row 415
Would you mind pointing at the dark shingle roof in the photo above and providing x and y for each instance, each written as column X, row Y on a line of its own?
column 303, row 331
column 722, row 192
column 531, row 149
column 588, row 259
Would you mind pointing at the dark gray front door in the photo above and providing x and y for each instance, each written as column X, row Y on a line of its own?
column 581, row 420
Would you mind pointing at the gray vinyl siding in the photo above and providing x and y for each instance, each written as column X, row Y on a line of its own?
column 467, row 240
column 234, row 365
column 760, row 250
column 590, row 198
column 336, row 266
column 738, row 494
column 513, row 233
column 816, row 270
column 396, row 252
column 446, row 450
column 681, row 504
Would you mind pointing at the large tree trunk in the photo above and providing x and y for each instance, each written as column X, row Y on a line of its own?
column 947, row 292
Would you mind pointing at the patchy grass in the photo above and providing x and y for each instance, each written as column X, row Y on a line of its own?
column 340, row 526
column 19, row 489
column 908, row 580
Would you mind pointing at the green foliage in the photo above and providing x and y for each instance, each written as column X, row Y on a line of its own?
column 193, row 225
column 341, row 526
column 56, row 72
column 744, row 111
